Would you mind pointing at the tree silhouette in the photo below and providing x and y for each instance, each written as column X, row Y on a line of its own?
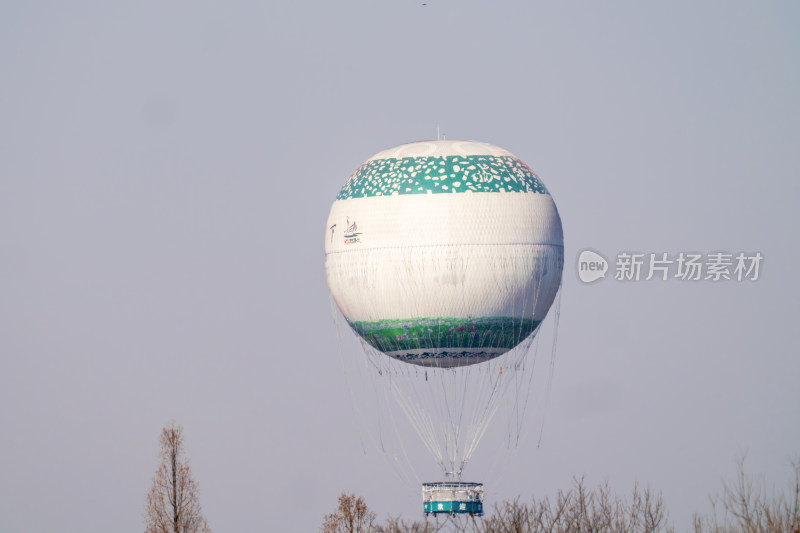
column 748, row 506
column 351, row 516
column 172, row 504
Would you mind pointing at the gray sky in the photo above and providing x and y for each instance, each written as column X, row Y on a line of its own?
column 166, row 169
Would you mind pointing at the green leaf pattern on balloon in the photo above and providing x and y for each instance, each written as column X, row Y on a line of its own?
column 445, row 333
column 441, row 175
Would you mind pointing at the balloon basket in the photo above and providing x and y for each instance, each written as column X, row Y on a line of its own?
column 452, row 497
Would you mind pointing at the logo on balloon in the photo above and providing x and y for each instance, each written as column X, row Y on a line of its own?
column 591, row 266
column 351, row 233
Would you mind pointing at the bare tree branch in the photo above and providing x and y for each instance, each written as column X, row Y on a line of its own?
column 351, row 516
column 172, row 505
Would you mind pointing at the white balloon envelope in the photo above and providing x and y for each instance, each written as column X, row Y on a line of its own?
column 444, row 253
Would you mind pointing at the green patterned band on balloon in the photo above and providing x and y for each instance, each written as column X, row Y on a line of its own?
column 441, row 174
column 445, row 333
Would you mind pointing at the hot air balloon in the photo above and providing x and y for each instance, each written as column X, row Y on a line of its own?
column 444, row 258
